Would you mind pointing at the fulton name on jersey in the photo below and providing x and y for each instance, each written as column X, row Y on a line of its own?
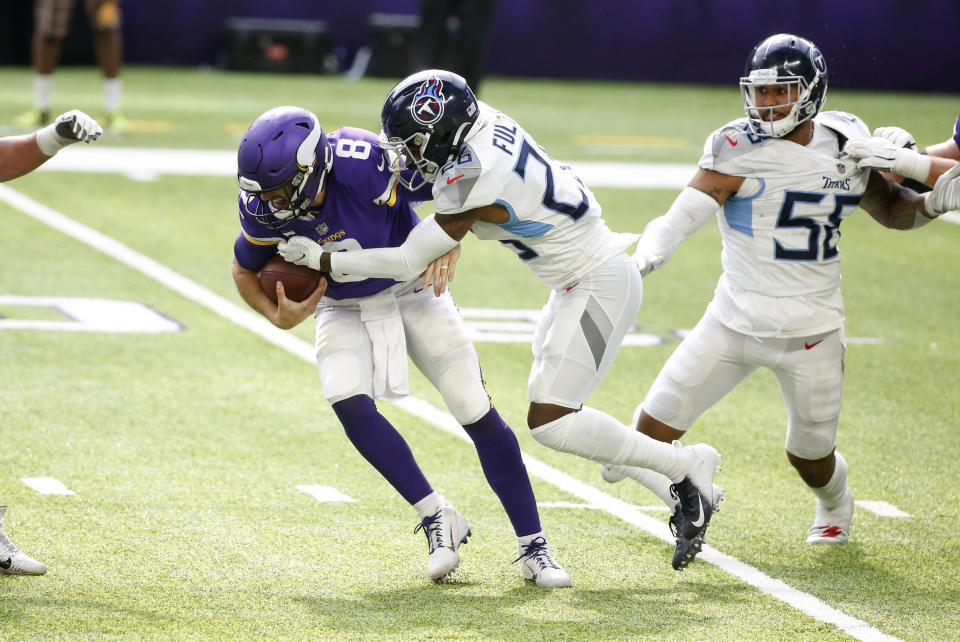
column 555, row 221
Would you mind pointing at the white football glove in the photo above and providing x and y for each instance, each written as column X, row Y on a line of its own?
column 302, row 251
column 646, row 260
column 945, row 196
column 882, row 155
column 896, row 135
column 69, row 128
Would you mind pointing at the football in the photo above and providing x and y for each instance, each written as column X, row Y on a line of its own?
column 299, row 281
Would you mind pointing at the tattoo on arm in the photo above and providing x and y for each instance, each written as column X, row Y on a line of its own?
column 890, row 204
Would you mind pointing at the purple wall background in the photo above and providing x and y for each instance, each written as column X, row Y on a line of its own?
column 873, row 44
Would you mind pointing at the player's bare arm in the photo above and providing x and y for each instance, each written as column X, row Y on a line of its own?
column 441, row 271
column 457, row 225
column 898, row 207
column 716, row 185
column 285, row 314
column 20, row 155
column 946, row 149
column 891, row 204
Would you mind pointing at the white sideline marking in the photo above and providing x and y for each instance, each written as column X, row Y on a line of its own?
column 497, row 325
column 325, row 493
column 47, row 486
column 881, row 508
column 147, row 164
column 89, row 315
column 157, row 271
column 629, row 513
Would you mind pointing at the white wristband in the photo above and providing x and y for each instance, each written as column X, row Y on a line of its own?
column 912, row 165
column 48, row 141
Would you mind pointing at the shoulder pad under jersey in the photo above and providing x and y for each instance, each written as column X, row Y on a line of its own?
column 456, row 181
column 847, row 125
column 729, row 142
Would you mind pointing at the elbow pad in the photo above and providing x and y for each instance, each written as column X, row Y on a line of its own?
column 425, row 242
column 689, row 212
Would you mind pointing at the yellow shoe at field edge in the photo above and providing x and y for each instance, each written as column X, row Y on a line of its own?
column 116, row 123
column 33, row 118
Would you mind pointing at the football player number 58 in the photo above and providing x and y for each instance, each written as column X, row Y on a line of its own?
column 816, row 249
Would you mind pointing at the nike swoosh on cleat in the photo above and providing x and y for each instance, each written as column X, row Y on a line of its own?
column 699, row 521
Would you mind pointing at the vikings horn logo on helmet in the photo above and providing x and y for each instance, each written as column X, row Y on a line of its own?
column 427, row 105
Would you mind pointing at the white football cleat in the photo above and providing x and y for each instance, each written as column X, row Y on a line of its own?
column 446, row 530
column 538, row 565
column 832, row 525
column 13, row 561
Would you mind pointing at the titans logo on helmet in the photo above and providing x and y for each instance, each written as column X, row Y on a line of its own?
column 818, row 61
column 427, row 105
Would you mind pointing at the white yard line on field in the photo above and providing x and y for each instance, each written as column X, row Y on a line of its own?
column 146, row 164
column 629, row 513
column 324, row 493
column 881, row 508
column 47, row 486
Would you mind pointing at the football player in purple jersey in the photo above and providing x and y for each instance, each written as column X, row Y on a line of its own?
column 490, row 177
column 336, row 189
column 21, row 155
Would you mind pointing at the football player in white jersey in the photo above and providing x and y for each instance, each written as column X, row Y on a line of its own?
column 490, row 176
column 21, row 155
column 783, row 187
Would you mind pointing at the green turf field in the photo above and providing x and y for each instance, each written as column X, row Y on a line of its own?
column 185, row 449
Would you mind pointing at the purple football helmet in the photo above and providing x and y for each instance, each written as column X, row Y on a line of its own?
column 284, row 146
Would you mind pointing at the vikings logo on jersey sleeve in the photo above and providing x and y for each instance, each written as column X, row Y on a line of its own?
column 427, row 105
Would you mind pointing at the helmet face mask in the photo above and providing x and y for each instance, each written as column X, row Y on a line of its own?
column 405, row 158
column 789, row 63
column 425, row 120
column 285, row 148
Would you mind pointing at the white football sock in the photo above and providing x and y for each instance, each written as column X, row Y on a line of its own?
column 656, row 482
column 596, row 435
column 112, row 94
column 832, row 494
column 526, row 539
column 429, row 505
column 42, row 90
